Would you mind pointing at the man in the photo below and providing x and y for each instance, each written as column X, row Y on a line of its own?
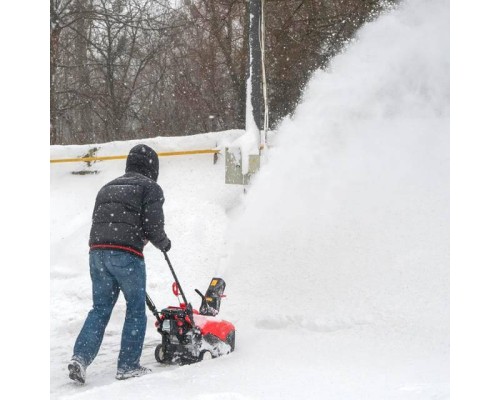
column 128, row 213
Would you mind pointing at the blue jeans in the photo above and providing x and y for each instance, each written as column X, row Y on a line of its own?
column 112, row 271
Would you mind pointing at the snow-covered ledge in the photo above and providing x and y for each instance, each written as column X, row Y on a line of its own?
column 243, row 158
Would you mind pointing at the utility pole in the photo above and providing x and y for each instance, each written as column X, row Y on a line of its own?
column 243, row 156
column 253, row 118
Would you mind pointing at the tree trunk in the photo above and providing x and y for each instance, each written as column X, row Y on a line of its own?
column 84, row 127
column 55, row 34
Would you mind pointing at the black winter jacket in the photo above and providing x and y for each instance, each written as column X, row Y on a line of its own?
column 128, row 211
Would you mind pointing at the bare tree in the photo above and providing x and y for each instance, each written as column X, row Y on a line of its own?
column 62, row 15
column 123, row 69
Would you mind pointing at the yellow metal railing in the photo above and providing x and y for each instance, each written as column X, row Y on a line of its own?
column 122, row 157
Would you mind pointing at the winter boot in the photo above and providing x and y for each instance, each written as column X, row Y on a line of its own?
column 133, row 373
column 76, row 371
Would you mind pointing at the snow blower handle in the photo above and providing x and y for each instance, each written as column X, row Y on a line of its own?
column 189, row 308
column 175, row 276
column 152, row 307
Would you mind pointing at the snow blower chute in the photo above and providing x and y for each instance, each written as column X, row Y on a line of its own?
column 189, row 335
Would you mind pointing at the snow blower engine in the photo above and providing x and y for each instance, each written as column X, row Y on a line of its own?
column 189, row 335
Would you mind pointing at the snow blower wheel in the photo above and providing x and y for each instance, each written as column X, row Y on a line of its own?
column 160, row 355
column 205, row 355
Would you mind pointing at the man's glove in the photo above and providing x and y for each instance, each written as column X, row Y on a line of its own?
column 167, row 246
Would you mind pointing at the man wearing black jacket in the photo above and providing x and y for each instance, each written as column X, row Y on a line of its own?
column 128, row 213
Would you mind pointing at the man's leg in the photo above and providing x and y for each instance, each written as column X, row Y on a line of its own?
column 130, row 272
column 105, row 292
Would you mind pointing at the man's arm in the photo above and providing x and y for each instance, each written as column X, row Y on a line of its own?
column 153, row 220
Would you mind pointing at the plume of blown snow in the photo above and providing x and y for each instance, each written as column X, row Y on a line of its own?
column 348, row 220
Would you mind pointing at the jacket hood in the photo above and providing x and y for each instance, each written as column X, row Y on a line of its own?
column 144, row 160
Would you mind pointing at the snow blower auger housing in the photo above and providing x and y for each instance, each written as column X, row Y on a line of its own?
column 189, row 335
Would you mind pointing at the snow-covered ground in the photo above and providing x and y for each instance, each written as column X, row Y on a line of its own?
column 336, row 259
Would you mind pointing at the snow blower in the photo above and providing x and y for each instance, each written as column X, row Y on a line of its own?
column 189, row 335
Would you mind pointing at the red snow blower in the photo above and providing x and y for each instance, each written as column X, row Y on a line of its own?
column 189, row 335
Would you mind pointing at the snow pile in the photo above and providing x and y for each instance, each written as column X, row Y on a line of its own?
column 336, row 259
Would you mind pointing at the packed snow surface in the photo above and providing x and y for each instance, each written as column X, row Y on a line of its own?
column 336, row 258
